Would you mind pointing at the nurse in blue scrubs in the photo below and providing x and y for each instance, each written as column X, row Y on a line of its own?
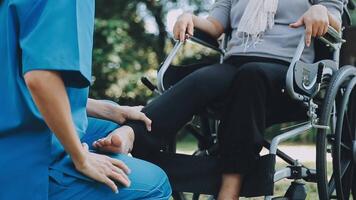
column 45, row 63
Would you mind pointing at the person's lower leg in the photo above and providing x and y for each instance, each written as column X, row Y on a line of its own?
column 240, row 131
column 230, row 187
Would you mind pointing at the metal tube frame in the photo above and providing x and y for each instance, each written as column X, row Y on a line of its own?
column 288, row 135
column 178, row 44
column 166, row 65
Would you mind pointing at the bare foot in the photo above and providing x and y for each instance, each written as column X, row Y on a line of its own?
column 119, row 141
column 230, row 188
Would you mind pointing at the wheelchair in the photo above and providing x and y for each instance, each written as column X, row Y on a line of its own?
column 328, row 93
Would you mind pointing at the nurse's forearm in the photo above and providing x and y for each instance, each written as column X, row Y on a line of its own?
column 50, row 96
column 103, row 110
column 99, row 109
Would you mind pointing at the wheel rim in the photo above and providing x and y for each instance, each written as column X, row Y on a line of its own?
column 342, row 153
column 326, row 177
column 330, row 175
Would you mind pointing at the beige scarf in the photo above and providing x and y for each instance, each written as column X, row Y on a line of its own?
column 256, row 19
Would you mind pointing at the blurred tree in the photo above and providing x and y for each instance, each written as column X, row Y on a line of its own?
column 353, row 16
column 124, row 49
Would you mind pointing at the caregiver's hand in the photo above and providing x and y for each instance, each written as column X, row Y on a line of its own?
column 103, row 169
column 316, row 22
column 123, row 113
column 120, row 114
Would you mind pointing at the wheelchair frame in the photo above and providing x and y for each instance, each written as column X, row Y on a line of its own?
column 296, row 170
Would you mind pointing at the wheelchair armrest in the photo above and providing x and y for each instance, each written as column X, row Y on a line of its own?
column 332, row 39
column 205, row 39
column 199, row 37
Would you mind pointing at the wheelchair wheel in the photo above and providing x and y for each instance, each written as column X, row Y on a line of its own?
column 338, row 140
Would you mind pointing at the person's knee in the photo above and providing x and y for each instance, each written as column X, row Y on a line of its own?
column 250, row 84
column 250, row 71
column 251, row 76
column 199, row 79
column 150, row 180
column 210, row 80
column 160, row 187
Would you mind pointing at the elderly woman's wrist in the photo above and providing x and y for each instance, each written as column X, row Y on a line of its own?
column 336, row 24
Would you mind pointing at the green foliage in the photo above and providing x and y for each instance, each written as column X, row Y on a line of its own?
column 353, row 18
column 120, row 45
column 124, row 50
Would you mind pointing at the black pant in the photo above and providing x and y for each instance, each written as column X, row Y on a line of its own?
column 253, row 86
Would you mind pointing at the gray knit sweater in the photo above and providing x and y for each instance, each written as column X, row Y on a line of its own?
column 279, row 42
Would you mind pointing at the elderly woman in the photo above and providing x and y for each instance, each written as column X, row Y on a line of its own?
column 265, row 34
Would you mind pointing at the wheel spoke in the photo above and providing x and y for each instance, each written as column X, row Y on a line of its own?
column 352, row 115
column 344, row 167
column 345, row 146
column 347, row 181
column 348, row 125
column 331, row 185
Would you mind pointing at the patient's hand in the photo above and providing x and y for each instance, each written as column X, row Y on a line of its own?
column 316, row 22
column 119, row 141
column 184, row 27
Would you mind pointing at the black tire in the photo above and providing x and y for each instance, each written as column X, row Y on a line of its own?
column 354, row 184
column 345, row 134
column 327, row 185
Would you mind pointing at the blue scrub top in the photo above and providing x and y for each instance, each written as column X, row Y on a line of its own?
column 39, row 35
